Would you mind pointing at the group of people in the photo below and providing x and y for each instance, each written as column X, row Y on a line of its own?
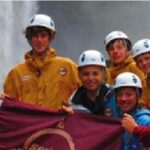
column 57, row 83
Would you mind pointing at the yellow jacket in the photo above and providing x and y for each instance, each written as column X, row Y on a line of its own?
column 46, row 81
column 145, row 101
column 129, row 65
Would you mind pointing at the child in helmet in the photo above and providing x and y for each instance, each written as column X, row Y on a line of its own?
column 141, row 54
column 94, row 96
column 42, row 77
column 118, row 46
column 128, row 91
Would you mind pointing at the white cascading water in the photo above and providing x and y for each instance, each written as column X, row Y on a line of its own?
column 14, row 16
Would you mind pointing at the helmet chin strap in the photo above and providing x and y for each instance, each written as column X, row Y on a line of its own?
column 137, row 105
column 148, row 79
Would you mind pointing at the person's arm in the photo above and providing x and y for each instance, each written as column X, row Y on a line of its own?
column 128, row 123
column 12, row 84
column 67, row 109
column 3, row 96
column 140, row 132
column 143, row 134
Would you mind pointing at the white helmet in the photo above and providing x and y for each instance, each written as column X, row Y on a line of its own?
column 42, row 20
column 115, row 35
column 91, row 57
column 140, row 47
column 127, row 79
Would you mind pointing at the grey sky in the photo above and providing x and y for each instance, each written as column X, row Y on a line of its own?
column 84, row 25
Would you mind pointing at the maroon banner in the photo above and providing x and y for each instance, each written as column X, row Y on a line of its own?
column 26, row 127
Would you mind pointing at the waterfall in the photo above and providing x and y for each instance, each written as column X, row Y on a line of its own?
column 14, row 16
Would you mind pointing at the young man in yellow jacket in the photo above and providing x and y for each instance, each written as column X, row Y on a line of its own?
column 43, row 79
column 118, row 47
column 141, row 54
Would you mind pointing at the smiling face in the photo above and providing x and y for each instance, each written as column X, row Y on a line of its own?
column 117, row 52
column 91, row 77
column 143, row 62
column 126, row 98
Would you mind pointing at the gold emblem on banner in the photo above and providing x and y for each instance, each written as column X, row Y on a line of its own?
column 30, row 145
